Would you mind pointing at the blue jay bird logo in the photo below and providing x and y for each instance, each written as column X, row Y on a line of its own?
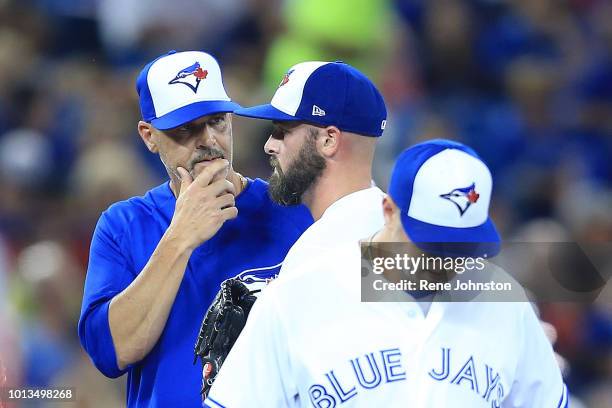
column 190, row 77
column 286, row 77
column 259, row 275
column 463, row 198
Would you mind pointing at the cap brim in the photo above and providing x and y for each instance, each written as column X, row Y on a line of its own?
column 192, row 112
column 268, row 112
column 480, row 241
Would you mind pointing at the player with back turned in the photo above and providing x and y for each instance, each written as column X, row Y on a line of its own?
column 311, row 342
column 157, row 261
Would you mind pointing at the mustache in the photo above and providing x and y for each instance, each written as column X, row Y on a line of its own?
column 207, row 153
column 275, row 164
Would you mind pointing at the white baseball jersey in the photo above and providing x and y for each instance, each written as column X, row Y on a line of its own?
column 355, row 216
column 310, row 342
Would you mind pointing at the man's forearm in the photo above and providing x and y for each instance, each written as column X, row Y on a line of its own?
column 138, row 315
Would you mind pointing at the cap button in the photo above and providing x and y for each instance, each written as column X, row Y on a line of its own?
column 339, row 61
column 171, row 52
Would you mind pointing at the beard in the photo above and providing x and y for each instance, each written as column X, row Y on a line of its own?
column 287, row 188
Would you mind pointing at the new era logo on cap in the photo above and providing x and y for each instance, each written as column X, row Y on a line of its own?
column 316, row 111
column 179, row 87
column 326, row 93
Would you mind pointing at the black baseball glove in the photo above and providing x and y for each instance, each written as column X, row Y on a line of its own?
column 222, row 325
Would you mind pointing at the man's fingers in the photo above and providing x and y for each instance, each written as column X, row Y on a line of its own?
column 220, row 187
column 186, row 179
column 225, row 201
column 208, row 174
column 229, row 213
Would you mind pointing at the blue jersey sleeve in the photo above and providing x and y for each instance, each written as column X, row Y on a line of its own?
column 107, row 275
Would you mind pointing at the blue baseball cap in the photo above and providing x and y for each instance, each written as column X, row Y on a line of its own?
column 443, row 190
column 326, row 94
column 179, row 87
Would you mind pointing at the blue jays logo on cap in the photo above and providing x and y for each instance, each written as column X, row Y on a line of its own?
column 286, row 77
column 428, row 176
column 463, row 198
column 167, row 105
column 190, row 77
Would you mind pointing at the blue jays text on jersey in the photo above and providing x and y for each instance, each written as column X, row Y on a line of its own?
column 376, row 369
column 311, row 342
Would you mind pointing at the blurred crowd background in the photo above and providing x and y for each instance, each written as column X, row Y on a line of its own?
column 527, row 83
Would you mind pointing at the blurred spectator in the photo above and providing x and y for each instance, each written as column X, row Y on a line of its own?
column 133, row 29
column 355, row 31
column 49, row 278
column 49, row 282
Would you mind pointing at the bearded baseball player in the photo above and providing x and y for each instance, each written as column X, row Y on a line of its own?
column 327, row 118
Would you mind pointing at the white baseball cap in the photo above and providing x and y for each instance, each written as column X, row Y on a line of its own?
column 179, row 87
column 443, row 190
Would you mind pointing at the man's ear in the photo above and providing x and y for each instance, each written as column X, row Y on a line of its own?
column 145, row 130
column 328, row 141
column 388, row 207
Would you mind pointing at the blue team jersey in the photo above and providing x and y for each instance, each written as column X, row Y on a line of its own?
column 124, row 239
